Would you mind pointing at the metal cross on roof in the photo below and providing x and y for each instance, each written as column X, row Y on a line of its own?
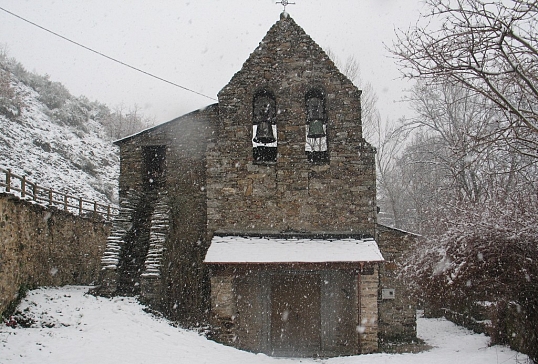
column 284, row 3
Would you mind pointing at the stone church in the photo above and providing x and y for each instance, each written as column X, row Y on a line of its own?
column 256, row 215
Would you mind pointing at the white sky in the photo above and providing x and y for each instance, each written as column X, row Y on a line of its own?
column 197, row 44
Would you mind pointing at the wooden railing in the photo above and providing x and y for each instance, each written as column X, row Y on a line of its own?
column 32, row 191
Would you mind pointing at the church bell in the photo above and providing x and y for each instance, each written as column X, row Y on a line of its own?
column 264, row 133
column 315, row 129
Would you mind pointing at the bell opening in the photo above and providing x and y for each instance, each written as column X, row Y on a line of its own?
column 315, row 129
column 264, row 133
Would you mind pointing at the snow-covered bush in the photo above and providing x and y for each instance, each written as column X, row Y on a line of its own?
column 52, row 94
column 73, row 112
column 488, row 253
column 11, row 103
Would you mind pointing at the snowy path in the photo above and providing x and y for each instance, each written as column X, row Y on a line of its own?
column 71, row 327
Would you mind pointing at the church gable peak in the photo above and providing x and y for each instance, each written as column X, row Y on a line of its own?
column 285, row 48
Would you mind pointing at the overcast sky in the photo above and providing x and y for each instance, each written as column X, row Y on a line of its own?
column 198, row 44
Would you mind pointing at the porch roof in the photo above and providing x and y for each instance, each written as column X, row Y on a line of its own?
column 266, row 250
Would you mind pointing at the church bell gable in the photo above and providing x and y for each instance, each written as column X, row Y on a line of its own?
column 297, row 160
column 290, row 63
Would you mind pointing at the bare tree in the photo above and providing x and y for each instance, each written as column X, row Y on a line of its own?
column 473, row 197
column 391, row 187
column 452, row 157
column 489, row 47
column 459, row 122
column 371, row 118
column 122, row 122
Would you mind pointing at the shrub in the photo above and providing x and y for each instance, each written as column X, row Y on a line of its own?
column 489, row 253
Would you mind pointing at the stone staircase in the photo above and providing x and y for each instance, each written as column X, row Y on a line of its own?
column 120, row 226
column 110, row 260
column 131, row 263
column 159, row 227
column 150, row 279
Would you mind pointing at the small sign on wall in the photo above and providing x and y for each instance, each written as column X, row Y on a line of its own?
column 387, row 294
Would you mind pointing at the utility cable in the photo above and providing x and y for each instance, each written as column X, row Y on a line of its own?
column 104, row 55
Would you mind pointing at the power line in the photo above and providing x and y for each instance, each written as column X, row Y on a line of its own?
column 104, row 55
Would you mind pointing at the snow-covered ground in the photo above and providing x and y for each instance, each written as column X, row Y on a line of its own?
column 73, row 327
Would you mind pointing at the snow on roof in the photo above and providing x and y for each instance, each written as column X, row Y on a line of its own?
column 237, row 249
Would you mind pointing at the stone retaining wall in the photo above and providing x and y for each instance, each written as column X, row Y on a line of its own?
column 46, row 247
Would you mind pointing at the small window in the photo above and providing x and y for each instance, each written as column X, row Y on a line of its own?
column 316, row 127
column 264, row 130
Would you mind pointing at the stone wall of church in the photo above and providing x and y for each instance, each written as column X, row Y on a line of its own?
column 180, row 288
column 368, row 305
column 291, row 194
column 397, row 312
column 42, row 246
column 185, row 139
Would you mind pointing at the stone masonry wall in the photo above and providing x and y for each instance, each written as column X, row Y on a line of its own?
column 46, row 247
column 223, row 309
column 397, row 316
column 181, row 289
column 368, row 327
column 292, row 194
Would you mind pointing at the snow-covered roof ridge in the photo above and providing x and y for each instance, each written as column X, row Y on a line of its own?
column 232, row 249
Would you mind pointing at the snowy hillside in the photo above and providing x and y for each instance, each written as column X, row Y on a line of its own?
column 60, row 146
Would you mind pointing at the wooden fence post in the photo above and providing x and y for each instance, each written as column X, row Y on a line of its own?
column 8, row 180
column 108, row 213
column 50, row 197
column 80, row 206
column 65, row 202
column 34, row 191
column 23, row 186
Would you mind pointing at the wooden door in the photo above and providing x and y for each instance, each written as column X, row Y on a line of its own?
column 295, row 315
